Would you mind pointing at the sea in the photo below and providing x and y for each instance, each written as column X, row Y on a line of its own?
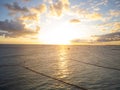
column 59, row 67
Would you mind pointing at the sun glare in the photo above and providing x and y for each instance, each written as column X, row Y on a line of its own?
column 56, row 34
column 61, row 32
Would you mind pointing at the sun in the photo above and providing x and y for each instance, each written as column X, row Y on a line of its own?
column 57, row 33
column 61, row 32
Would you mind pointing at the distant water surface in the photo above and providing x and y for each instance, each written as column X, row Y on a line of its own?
column 89, row 67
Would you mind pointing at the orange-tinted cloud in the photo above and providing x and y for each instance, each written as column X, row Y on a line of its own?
column 112, row 27
column 94, row 16
column 114, row 13
column 57, row 8
column 39, row 9
column 29, row 17
column 86, row 14
column 74, row 20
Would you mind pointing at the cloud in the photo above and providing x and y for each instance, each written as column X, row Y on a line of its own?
column 57, row 8
column 94, row 16
column 79, row 41
column 74, row 21
column 48, row 1
column 114, row 13
column 39, row 9
column 117, row 26
column 99, row 38
column 112, row 26
column 26, row 0
column 66, row 4
column 2, row 33
column 100, row 3
column 26, row 23
column 92, row 5
column 15, row 8
column 29, row 17
column 86, row 14
column 32, row 19
column 109, row 37
column 16, row 28
column 117, row 3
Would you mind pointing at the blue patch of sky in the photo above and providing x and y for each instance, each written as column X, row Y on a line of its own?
column 32, row 3
column 4, row 14
column 111, row 5
column 77, row 2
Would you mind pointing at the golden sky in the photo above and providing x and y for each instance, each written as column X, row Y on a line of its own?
column 60, row 22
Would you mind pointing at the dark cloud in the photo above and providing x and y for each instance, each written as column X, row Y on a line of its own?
column 15, row 8
column 16, row 28
column 109, row 37
column 11, row 25
column 100, row 38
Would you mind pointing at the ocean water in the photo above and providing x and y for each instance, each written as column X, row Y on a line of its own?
column 59, row 67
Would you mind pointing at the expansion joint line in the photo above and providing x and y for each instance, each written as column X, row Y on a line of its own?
column 25, row 67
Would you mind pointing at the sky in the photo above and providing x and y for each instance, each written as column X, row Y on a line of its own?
column 60, row 22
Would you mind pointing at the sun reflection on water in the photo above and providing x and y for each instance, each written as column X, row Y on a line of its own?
column 62, row 63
